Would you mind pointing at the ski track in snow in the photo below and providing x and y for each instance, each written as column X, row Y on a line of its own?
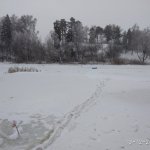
column 74, row 114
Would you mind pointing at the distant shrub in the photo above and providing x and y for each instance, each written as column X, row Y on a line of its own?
column 22, row 69
column 135, row 62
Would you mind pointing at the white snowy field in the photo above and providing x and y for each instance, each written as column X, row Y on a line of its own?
column 75, row 107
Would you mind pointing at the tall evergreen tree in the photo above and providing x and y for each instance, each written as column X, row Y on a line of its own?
column 125, row 41
column 6, row 35
column 116, row 31
column 129, row 39
column 108, row 33
column 92, row 35
column 70, row 32
column 6, row 32
column 99, row 31
column 57, row 29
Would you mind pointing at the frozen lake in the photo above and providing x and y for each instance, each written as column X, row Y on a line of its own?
column 75, row 107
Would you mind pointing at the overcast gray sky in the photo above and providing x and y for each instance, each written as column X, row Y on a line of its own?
column 90, row 12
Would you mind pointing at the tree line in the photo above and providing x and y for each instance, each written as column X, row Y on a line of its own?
column 69, row 42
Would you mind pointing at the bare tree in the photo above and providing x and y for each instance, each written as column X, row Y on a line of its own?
column 143, row 45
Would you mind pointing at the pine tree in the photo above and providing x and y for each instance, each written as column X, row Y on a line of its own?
column 70, row 33
column 129, row 39
column 6, row 35
column 125, row 41
column 92, row 35
column 99, row 31
column 57, row 29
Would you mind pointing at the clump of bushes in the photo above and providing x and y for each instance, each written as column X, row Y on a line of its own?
column 22, row 69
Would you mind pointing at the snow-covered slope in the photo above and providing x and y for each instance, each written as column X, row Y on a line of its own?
column 75, row 107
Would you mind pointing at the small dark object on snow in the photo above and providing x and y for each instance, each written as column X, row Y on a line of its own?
column 39, row 148
column 94, row 67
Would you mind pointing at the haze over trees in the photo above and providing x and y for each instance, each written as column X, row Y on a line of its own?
column 69, row 41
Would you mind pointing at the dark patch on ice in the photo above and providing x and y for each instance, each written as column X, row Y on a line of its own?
column 94, row 67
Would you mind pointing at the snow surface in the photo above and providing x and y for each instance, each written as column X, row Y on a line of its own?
column 70, row 107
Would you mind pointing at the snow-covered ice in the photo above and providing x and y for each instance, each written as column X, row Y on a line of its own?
column 75, row 107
